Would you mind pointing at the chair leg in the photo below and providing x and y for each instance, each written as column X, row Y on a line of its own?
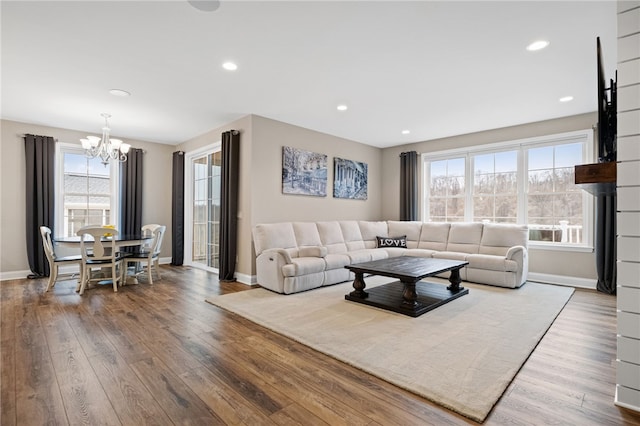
column 53, row 274
column 149, row 272
column 80, row 278
column 83, row 280
column 114, row 277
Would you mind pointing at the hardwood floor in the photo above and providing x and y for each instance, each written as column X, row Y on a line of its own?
column 161, row 355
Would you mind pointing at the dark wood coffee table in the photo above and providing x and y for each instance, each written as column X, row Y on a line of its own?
column 408, row 296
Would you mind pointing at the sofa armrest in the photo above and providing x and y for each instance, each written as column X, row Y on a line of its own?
column 516, row 253
column 312, row 251
column 276, row 252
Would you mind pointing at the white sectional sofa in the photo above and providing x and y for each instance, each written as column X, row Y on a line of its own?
column 299, row 256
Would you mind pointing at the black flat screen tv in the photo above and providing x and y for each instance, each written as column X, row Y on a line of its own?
column 607, row 119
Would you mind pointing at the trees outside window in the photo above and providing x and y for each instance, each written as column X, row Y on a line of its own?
column 530, row 182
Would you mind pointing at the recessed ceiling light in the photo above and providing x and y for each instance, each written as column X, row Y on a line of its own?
column 566, row 99
column 119, row 92
column 342, row 107
column 229, row 66
column 205, row 5
column 537, row 45
column 406, row 132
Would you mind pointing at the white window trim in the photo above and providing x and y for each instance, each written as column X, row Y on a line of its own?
column 188, row 203
column 63, row 148
column 468, row 152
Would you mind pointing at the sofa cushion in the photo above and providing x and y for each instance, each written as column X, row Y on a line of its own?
column 498, row 238
column 352, row 235
column 336, row 261
column 331, row 237
column 451, row 255
column 399, row 242
column 418, row 252
column 370, row 229
column 367, row 255
column 465, row 237
column 409, row 228
column 274, row 235
column 493, row 263
column 304, row 266
column 306, row 234
column 434, row 236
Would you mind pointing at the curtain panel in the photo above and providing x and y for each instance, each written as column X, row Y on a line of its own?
column 409, row 185
column 131, row 195
column 229, row 205
column 177, row 209
column 605, row 243
column 40, row 197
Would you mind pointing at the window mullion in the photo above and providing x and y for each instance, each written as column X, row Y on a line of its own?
column 468, row 182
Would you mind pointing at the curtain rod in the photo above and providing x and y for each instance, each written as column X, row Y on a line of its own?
column 22, row 135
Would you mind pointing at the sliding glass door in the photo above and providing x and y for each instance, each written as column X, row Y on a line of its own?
column 203, row 209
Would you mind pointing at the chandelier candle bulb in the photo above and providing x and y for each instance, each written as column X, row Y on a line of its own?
column 106, row 148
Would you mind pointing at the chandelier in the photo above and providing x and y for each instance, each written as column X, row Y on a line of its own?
column 106, row 148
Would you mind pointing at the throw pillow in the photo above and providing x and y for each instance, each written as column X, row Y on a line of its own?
column 400, row 242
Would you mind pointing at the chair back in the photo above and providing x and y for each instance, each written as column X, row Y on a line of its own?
column 47, row 244
column 96, row 248
column 156, row 244
column 147, row 231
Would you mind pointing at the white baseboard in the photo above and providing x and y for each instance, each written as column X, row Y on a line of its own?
column 563, row 280
column 246, row 279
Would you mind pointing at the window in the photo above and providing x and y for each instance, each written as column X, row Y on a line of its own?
column 495, row 187
column 203, row 193
column 206, row 209
column 530, row 181
column 86, row 191
column 446, row 198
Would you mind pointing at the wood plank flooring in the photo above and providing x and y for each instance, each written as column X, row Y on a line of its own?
column 161, row 355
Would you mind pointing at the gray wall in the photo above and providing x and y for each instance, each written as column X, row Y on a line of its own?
column 156, row 199
column 570, row 264
column 260, row 182
column 261, row 199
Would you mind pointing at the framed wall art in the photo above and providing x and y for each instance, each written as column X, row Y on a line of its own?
column 304, row 172
column 349, row 179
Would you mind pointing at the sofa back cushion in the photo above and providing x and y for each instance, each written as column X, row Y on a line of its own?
column 497, row 238
column 370, row 230
column 410, row 229
column 306, row 234
column 352, row 235
column 465, row 237
column 331, row 237
column 434, row 236
column 275, row 235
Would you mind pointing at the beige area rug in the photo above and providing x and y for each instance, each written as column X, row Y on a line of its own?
column 462, row 355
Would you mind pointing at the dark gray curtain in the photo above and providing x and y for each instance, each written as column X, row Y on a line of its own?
column 40, row 193
column 177, row 210
column 229, row 204
column 409, row 185
column 131, row 195
column 605, row 242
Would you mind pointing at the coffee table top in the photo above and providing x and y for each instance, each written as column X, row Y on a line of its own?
column 407, row 267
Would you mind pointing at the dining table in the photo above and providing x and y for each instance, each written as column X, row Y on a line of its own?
column 124, row 240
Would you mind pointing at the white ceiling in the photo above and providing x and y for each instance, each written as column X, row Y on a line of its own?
column 436, row 68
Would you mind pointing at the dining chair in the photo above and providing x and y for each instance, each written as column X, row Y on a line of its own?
column 99, row 253
column 149, row 253
column 54, row 260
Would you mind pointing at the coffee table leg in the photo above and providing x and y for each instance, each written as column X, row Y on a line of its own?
column 409, row 296
column 455, row 281
column 359, row 286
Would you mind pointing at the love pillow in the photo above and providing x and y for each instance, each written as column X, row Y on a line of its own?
column 399, row 242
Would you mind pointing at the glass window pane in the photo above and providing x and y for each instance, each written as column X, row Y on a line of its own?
column 541, row 158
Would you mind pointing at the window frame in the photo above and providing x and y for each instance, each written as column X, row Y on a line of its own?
column 114, row 185
column 522, row 146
